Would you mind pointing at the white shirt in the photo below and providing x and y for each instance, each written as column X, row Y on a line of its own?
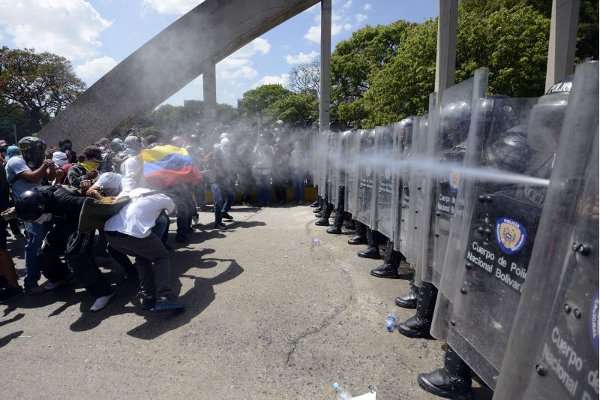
column 139, row 216
column 132, row 170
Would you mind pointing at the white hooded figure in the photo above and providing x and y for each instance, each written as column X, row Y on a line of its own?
column 132, row 169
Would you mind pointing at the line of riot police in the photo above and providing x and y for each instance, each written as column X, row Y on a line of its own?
column 503, row 270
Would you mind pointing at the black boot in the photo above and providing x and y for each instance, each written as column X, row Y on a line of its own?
column 361, row 235
column 349, row 225
column 409, row 300
column 357, row 239
column 315, row 204
column 418, row 326
column 451, row 382
column 391, row 265
column 334, row 230
column 373, row 250
column 322, row 222
column 370, row 252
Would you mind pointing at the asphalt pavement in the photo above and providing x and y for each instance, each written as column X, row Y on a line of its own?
column 276, row 309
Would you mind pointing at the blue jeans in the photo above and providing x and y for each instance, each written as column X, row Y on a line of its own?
column 229, row 198
column 217, row 202
column 33, row 261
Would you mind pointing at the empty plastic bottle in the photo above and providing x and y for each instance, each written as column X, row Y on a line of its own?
column 340, row 393
column 390, row 322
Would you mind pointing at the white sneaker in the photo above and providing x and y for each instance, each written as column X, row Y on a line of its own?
column 101, row 302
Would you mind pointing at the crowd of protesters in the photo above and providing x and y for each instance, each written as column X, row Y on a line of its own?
column 101, row 203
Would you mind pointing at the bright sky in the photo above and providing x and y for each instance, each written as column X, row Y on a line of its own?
column 97, row 34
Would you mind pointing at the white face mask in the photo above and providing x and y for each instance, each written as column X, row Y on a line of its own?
column 46, row 217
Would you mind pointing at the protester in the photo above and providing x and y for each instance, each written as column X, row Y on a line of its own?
column 25, row 173
column 82, row 174
column 134, row 231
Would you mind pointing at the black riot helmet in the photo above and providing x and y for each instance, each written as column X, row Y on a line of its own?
column 544, row 127
column 31, row 205
column 33, row 150
column 510, row 152
column 497, row 114
column 455, row 118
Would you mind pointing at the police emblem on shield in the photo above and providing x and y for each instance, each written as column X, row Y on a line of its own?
column 510, row 235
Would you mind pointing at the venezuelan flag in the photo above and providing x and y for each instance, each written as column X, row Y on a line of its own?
column 166, row 166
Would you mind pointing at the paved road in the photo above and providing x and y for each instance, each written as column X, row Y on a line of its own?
column 276, row 309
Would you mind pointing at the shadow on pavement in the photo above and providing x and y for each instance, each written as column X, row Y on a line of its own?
column 13, row 319
column 196, row 299
column 9, row 338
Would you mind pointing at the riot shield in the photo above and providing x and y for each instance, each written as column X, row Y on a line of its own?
column 400, row 190
column 448, row 132
column 383, row 211
column 500, row 237
column 416, row 200
column 366, row 179
column 491, row 118
column 332, row 139
column 320, row 156
column 553, row 349
column 352, row 156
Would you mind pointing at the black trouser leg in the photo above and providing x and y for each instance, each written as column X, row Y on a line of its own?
column 339, row 216
column 79, row 257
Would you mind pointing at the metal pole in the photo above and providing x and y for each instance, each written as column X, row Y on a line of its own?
column 209, row 86
column 446, row 45
column 563, row 40
column 325, row 98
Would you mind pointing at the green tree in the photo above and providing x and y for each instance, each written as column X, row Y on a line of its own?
column 256, row 101
column 512, row 43
column 402, row 86
column 297, row 109
column 587, row 33
column 353, row 63
column 41, row 84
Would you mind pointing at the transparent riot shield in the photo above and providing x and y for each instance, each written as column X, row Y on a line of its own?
column 500, row 237
column 403, row 132
column 491, row 119
column 416, row 200
column 383, row 211
column 553, row 349
column 334, row 165
column 352, row 157
column 342, row 160
column 448, row 131
column 320, row 156
column 366, row 179
column 332, row 139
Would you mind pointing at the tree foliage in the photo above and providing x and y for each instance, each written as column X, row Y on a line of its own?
column 297, row 109
column 40, row 84
column 256, row 101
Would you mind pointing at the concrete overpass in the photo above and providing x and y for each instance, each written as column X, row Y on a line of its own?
column 193, row 44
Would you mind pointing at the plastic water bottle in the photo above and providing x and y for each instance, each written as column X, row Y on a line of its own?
column 340, row 393
column 390, row 322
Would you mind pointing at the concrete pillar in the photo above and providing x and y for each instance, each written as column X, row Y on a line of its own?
column 446, row 45
column 325, row 100
column 209, row 86
column 563, row 40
